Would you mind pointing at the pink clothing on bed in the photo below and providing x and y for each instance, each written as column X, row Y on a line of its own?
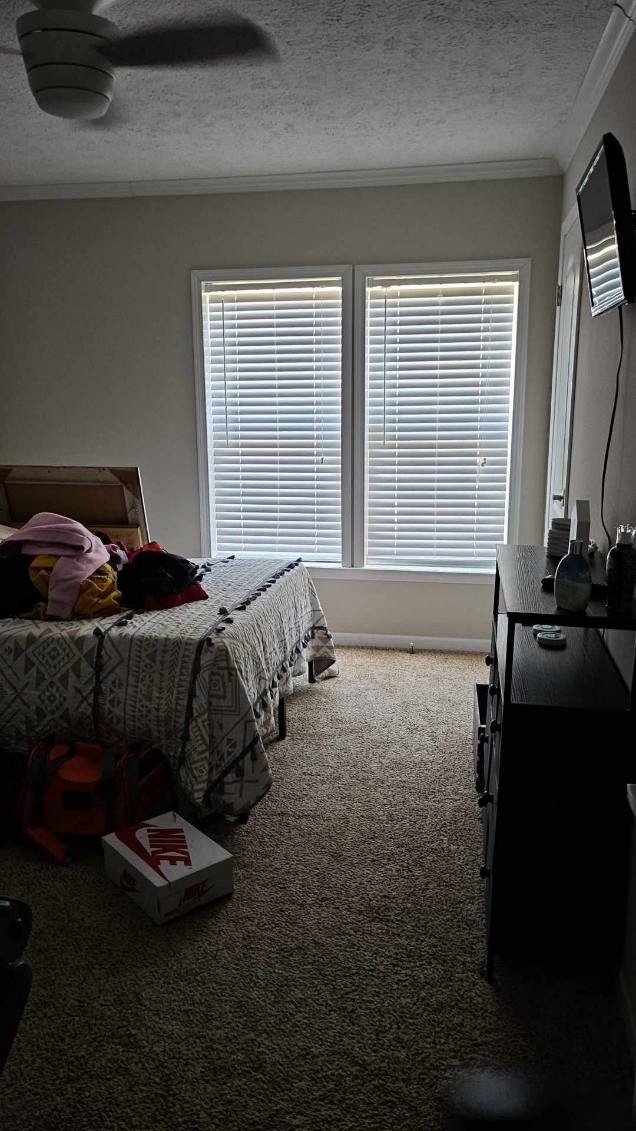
column 79, row 554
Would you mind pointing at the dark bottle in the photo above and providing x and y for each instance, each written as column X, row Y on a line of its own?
column 621, row 571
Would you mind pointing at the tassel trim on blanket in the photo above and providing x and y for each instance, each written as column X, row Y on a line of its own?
column 265, row 706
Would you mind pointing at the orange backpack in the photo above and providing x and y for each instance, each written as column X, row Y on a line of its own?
column 85, row 789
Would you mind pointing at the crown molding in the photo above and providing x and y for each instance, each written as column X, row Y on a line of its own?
column 356, row 178
column 608, row 54
column 617, row 35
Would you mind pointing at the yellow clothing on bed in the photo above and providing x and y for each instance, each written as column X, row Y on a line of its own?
column 98, row 594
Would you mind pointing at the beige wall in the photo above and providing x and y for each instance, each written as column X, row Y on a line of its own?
column 598, row 351
column 598, row 348
column 401, row 608
column 97, row 363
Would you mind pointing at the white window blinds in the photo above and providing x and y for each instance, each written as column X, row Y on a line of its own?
column 439, row 372
column 273, row 365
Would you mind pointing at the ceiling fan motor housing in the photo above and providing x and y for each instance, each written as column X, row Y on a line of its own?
column 68, row 72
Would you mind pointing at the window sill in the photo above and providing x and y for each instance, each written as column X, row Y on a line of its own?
column 397, row 573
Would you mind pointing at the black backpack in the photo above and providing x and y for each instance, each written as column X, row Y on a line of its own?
column 154, row 573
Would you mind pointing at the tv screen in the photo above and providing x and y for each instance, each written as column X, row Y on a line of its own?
column 609, row 243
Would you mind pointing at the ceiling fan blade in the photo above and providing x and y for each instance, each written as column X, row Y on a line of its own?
column 181, row 43
column 74, row 5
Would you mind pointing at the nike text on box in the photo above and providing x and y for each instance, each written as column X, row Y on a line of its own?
column 167, row 866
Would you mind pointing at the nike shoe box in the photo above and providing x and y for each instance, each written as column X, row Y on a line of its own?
column 167, row 866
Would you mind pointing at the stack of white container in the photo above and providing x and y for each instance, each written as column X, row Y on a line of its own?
column 558, row 542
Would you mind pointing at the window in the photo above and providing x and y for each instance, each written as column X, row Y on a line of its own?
column 439, row 366
column 273, row 373
column 376, row 436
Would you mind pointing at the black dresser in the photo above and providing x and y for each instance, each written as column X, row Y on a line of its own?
column 555, row 745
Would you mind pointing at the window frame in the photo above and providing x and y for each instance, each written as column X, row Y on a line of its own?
column 353, row 408
column 261, row 274
column 513, row 488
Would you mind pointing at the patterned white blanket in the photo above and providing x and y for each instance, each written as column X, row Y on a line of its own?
column 201, row 681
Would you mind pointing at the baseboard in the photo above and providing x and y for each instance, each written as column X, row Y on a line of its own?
column 419, row 643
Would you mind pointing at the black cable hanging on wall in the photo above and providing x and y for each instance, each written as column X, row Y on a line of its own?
column 611, row 427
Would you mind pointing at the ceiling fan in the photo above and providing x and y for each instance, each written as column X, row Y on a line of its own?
column 70, row 53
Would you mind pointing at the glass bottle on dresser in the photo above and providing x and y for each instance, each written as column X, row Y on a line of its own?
column 621, row 571
column 573, row 580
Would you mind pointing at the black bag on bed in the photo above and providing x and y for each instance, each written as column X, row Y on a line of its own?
column 18, row 594
column 154, row 573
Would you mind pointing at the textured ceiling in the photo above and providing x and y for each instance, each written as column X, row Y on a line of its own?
column 360, row 84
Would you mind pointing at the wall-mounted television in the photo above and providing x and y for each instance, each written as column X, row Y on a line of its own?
column 607, row 223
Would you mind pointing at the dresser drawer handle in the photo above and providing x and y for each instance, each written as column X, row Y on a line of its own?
column 488, row 660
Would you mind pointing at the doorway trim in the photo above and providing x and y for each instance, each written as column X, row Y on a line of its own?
column 570, row 219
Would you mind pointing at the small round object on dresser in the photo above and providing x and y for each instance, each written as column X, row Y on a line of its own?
column 537, row 628
column 552, row 639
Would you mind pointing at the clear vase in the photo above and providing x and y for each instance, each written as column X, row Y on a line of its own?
column 573, row 580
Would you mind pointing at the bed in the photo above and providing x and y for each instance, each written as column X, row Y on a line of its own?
column 203, row 682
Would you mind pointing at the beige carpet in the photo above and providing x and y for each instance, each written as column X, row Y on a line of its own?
column 341, row 983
